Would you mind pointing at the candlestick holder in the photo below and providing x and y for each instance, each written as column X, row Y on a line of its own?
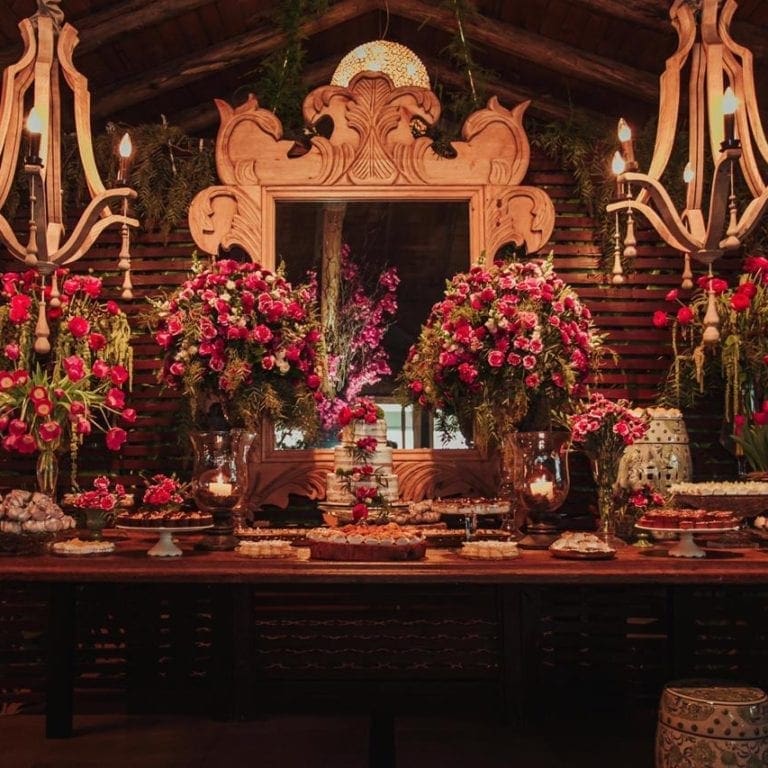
column 541, row 482
column 218, row 482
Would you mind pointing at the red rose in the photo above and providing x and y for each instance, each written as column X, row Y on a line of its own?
column 78, row 327
column 313, row 381
column 19, row 308
column 760, row 418
column 129, row 415
column 115, row 438
column 660, row 319
column 748, row 288
column 671, row 296
column 685, row 315
column 49, row 431
column 740, row 302
column 97, row 341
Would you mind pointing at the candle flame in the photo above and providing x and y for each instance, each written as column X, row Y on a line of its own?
column 125, row 147
column 34, row 121
column 730, row 102
column 617, row 164
column 688, row 173
column 625, row 132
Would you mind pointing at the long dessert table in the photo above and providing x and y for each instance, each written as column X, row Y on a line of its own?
column 510, row 613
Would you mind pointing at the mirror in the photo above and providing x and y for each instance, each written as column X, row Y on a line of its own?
column 425, row 243
column 377, row 153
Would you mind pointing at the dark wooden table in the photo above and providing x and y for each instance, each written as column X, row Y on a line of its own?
column 228, row 571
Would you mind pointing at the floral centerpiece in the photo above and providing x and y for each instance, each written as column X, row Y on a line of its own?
column 739, row 356
column 165, row 492
column 99, row 504
column 355, row 356
column 752, row 437
column 241, row 335
column 55, row 400
column 603, row 428
column 504, row 338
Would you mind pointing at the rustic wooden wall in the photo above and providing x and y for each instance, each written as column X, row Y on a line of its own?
column 624, row 311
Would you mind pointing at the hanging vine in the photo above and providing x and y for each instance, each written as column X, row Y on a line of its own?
column 278, row 79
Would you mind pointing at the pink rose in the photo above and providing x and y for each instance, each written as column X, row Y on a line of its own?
column 49, row 431
column 129, row 415
column 115, row 398
column 74, row 367
column 495, row 358
column 12, row 351
column 685, row 316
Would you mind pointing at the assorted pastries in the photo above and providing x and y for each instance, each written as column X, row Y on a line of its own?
column 489, row 550
column 366, row 542
column 81, row 547
column 32, row 512
column 721, row 488
column 267, row 548
column 147, row 517
column 582, row 543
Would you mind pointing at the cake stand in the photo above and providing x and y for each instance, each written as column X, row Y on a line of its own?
column 165, row 546
column 687, row 547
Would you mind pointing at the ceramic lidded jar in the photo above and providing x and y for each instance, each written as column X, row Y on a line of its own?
column 712, row 724
column 660, row 458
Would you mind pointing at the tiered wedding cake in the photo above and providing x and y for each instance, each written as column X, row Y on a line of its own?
column 362, row 464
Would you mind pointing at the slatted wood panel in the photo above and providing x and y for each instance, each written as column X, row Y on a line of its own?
column 23, row 633
column 588, row 644
column 624, row 312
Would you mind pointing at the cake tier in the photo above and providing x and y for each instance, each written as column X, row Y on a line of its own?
column 359, row 429
column 339, row 491
column 345, row 458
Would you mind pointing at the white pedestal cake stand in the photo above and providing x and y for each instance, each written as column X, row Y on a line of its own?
column 687, row 547
column 165, row 546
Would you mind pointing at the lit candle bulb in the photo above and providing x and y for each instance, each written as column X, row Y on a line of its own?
column 124, row 150
column 627, row 147
column 543, row 488
column 220, row 488
column 730, row 104
column 688, row 173
column 35, row 133
column 618, row 166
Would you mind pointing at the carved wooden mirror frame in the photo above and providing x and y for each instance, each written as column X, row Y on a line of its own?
column 377, row 150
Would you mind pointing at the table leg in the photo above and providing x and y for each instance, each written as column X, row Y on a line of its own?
column 60, row 667
column 381, row 740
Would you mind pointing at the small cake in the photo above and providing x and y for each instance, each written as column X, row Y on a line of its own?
column 366, row 543
column 472, row 506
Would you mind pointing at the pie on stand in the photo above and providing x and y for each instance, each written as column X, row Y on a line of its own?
column 687, row 523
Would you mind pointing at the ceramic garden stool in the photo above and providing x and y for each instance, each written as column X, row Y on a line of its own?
column 712, row 724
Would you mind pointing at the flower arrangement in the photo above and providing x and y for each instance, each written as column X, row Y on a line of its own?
column 165, row 491
column 643, row 498
column 504, row 338
column 603, row 428
column 355, row 356
column 752, row 437
column 740, row 355
column 101, row 496
column 57, row 399
column 243, row 336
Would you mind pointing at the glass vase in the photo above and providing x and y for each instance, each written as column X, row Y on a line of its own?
column 605, row 474
column 220, row 482
column 47, row 473
column 96, row 520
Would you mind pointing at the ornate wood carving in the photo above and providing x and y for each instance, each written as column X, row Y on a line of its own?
column 377, row 149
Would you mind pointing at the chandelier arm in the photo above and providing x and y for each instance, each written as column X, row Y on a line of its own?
column 752, row 214
column 87, row 229
column 15, row 248
column 748, row 119
column 718, row 199
column 697, row 128
column 16, row 80
column 674, row 234
column 102, row 223
column 669, row 84
column 673, row 230
column 68, row 39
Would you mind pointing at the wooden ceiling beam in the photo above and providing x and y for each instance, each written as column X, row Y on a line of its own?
column 201, row 120
column 246, row 47
column 546, row 53
column 654, row 15
column 98, row 29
